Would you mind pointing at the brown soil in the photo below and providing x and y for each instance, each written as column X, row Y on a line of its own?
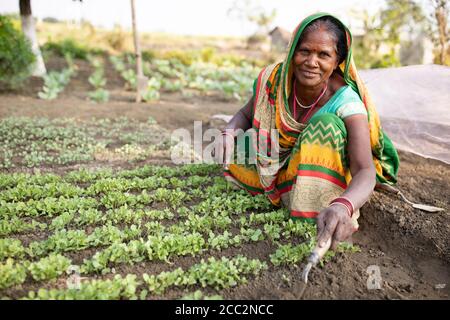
column 410, row 247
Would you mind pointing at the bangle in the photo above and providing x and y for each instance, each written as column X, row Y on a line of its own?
column 341, row 204
column 346, row 202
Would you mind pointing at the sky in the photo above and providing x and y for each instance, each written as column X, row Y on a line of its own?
column 188, row 17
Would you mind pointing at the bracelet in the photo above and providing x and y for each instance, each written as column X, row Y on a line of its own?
column 341, row 204
column 346, row 202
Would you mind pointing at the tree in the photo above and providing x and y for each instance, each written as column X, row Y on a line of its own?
column 367, row 45
column 441, row 12
column 389, row 29
column 399, row 16
column 29, row 29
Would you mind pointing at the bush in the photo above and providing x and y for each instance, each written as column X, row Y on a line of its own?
column 185, row 57
column 116, row 39
column 16, row 57
column 148, row 55
column 70, row 47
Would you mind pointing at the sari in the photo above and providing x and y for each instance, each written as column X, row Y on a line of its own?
column 312, row 164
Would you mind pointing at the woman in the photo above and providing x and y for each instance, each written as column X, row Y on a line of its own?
column 332, row 150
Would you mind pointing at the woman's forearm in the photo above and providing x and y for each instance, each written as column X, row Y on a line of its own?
column 239, row 121
column 361, row 187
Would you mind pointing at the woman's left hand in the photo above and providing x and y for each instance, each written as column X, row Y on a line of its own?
column 334, row 222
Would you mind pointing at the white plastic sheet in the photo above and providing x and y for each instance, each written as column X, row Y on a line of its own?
column 414, row 106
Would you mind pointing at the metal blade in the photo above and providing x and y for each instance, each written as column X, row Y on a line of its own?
column 427, row 208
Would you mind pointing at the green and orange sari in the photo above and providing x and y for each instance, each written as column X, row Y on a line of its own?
column 312, row 162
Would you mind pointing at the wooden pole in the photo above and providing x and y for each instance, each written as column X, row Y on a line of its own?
column 142, row 81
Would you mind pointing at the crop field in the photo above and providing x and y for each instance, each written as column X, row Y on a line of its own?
column 144, row 232
column 104, row 222
column 92, row 207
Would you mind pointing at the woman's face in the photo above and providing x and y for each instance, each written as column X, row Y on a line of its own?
column 315, row 58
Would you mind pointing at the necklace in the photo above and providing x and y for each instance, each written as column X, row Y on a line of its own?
column 311, row 107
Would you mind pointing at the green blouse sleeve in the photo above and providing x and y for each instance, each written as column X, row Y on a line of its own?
column 350, row 109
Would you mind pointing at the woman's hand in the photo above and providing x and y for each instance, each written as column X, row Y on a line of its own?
column 334, row 222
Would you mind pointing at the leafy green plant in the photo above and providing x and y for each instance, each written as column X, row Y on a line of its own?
column 88, row 217
column 162, row 281
column 17, row 225
column 289, row 254
column 129, row 75
column 152, row 92
column 117, row 63
column 49, row 267
column 250, row 234
column 54, row 83
column 11, row 274
column 98, row 81
column 61, row 241
column 117, row 288
column 225, row 273
column 61, row 221
column 273, row 231
column 223, row 241
column 218, row 273
column 157, row 247
column 11, row 248
column 298, row 228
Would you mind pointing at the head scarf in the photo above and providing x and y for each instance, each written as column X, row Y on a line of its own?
column 271, row 111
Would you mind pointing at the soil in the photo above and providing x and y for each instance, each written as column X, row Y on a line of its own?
column 409, row 247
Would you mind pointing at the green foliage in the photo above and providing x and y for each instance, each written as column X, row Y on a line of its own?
column 112, row 289
column 11, row 248
column 49, row 267
column 71, row 47
column 289, row 254
column 61, row 241
column 17, row 225
column 134, row 216
column 16, row 57
column 33, row 142
column 129, row 75
column 152, row 92
column 219, row 273
column 61, row 221
column 54, row 83
column 223, row 241
column 117, row 62
column 204, row 72
column 98, row 81
column 225, row 273
column 11, row 274
column 378, row 46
